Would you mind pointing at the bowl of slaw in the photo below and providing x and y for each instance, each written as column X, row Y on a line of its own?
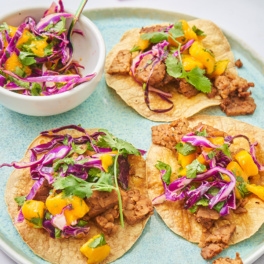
column 71, row 89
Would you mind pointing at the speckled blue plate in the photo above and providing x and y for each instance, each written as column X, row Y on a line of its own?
column 106, row 110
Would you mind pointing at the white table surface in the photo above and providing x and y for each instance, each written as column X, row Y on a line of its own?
column 243, row 18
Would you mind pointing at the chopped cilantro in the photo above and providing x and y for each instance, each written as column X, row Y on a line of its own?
column 36, row 89
column 72, row 185
column 177, row 31
column 97, row 242
column 226, row 150
column 174, row 67
column 135, row 48
column 155, row 37
column 60, row 26
column 193, row 209
column 211, row 154
column 198, row 31
column 123, row 147
column 195, row 76
column 27, row 58
column 203, row 201
column 185, row 149
column 202, row 133
column 213, row 191
column 20, row 200
column 36, row 221
column 167, row 168
column 219, row 206
column 82, row 223
column 194, row 168
column 57, row 232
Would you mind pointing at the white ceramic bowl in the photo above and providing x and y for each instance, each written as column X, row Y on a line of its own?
column 89, row 50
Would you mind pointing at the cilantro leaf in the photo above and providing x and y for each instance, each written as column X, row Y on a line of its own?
column 174, row 67
column 194, row 168
column 97, row 242
column 155, row 37
column 20, row 200
column 202, row 133
column 4, row 27
column 167, row 168
column 105, row 183
column 72, row 185
column 242, row 188
column 94, row 173
column 123, row 147
column 20, row 72
column 36, row 89
column 203, row 201
column 177, row 30
column 63, row 164
column 211, row 154
column 60, row 26
column 79, row 149
column 219, row 206
column 27, row 58
column 135, row 48
column 185, row 149
column 36, row 221
column 198, row 31
column 226, row 150
column 17, row 81
column 196, row 78
column 213, row 191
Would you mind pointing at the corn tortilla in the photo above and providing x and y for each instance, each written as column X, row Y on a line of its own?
column 66, row 251
column 181, row 221
column 133, row 94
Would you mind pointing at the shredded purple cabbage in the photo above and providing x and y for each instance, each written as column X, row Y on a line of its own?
column 54, row 73
column 182, row 188
column 53, row 159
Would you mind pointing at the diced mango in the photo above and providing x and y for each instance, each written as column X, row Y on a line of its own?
column 188, row 32
column 189, row 63
column 220, row 68
column 219, row 141
column 95, row 254
column 235, row 168
column 237, row 192
column 38, row 47
column 107, row 160
column 206, row 57
column 12, row 31
column 202, row 160
column 246, row 162
column 13, row 62
column 33, row 211
column 186, row 160
column 142, row 44
column 24, row 38
column 55, row 205
column 256, row 189
column 188, row 35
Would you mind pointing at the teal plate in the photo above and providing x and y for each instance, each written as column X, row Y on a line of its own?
column 105, row 109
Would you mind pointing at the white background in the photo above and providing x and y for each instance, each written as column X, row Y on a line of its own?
column 243, row 18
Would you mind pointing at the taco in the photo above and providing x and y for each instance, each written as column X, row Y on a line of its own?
column 206, row 180
column 165, row 72
column 79, row 194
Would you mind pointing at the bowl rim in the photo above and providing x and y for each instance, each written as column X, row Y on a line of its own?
column 98, row 67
